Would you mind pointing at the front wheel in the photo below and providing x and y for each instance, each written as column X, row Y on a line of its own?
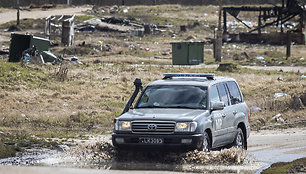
column 240, row 141
column 206, row 143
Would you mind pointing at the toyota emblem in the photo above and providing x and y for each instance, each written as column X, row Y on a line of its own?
column 152, row 127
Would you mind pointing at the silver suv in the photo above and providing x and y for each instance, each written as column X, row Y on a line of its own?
column 197, row 111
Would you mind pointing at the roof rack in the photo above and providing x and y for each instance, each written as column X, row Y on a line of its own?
column 209, row 76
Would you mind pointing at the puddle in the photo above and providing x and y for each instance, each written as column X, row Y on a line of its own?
column 278, row 155
column 103, row 155
column 30, row 157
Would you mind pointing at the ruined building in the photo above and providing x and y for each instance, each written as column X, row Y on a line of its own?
column 275, row 25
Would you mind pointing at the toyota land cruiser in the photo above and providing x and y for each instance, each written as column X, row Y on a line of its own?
column 198, row 111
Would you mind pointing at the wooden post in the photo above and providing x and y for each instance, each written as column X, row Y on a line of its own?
column 147, row 29
column 68, row 31
column 281, row 15
column 224, row 22
column 69, row 2
column 219, row 35
column 288, row 44
column 18, row 13
column 259, row 22
column 48, row 27
column 214, row 44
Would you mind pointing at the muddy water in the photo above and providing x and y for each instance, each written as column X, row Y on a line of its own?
column 278, row 155
column 102, row 155
column 265, row 148
column 30, row 157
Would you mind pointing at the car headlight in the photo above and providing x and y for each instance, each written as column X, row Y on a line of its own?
column 123, row 125
column 185, row 126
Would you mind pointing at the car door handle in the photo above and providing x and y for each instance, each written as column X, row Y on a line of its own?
column 235, row 112
column 223, row 115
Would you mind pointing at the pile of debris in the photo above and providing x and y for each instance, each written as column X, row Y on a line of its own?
column 35, row 50
column 114, row 24
column 107, row 9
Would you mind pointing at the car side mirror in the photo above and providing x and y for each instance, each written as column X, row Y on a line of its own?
column 217, row 106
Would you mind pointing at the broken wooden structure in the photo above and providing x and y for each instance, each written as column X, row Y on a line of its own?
column 66, row 29
column 278, row 16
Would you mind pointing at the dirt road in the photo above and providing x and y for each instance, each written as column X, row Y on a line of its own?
column 300, row 69
column 10, row 15
column 265, row 147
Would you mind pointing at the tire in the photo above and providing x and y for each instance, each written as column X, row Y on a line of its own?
column 240, row 141
column 206, row 143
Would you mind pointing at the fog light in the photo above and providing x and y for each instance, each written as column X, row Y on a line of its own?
column 186, row 141
column 120, row 140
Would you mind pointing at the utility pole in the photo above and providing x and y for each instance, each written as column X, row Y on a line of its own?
column 18, row 13
column 219, row 35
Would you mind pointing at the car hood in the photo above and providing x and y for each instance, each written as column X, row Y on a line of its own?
column 162, row 114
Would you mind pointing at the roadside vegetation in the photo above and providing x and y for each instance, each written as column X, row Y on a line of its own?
column 296, row 166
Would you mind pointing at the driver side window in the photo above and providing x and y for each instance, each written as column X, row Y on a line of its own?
column 223, row 93
column 214, row 95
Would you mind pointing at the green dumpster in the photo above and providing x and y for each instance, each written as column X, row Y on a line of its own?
column 21, row 42
column 187, row 53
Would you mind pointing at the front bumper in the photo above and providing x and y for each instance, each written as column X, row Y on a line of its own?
column 169, row 141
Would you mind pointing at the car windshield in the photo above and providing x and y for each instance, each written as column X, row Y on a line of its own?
column 190, row 97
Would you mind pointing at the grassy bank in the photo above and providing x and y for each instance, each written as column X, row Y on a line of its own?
column 296, row 166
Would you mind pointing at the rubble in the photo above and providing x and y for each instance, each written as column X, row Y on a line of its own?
column 229, row 67
column 107, row 27
column 4, row 51
column 191, row 37
column 278, row 118
column 88, row 27
column 260, row 58
column 280, row 94
column 114, row 20
column 255, row 108
column 296, row 103
column 48, row 56
column 13, row 28
column 75, row 60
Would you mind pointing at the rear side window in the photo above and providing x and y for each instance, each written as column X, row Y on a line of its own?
column 223, row 93
column 234, row 92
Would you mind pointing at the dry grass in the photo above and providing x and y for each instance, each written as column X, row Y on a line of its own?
column 93, row 94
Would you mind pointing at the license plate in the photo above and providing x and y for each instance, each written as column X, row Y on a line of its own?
column 151, row 140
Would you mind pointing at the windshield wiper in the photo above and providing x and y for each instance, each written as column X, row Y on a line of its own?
column 181, row 107
column 185, row 107
column 151, row 106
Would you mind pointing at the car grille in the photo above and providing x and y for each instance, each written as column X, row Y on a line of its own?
column 153, row 127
